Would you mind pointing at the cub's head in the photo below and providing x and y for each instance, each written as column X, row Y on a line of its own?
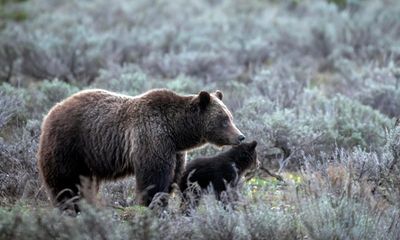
column 246, row 155
column 217, row 120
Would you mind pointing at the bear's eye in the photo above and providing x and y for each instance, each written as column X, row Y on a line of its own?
column 225, row 123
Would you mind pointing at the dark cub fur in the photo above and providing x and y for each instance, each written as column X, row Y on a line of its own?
column 219, row 171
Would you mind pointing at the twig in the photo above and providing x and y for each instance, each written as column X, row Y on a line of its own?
column 289, row 154
column 277, row 176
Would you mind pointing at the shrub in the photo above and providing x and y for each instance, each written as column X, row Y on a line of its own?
column 11, row 106
column 318, row 124
column 284, row 94
column 127, row 79
column 385, row 98
column 18, row 173
column 327, row 218
column 8, row 56
column 373, row 173
column 46, row 94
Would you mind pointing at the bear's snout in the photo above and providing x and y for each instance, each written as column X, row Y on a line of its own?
column 236, row 137
column 241, row 138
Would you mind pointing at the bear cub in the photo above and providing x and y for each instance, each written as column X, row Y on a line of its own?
column 219, row 171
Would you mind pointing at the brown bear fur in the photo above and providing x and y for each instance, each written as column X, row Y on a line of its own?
column 100, row 135
column 218, row 171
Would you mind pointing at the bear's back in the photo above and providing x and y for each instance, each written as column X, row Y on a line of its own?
column 85, row 134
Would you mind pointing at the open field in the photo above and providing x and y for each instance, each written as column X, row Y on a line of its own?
column 319, row 78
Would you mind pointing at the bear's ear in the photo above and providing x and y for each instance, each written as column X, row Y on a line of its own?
column 204, row 99
column 253, row 145
column 219, row 94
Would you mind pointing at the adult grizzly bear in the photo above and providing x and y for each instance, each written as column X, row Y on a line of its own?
column 219, row 171
column 100, row 135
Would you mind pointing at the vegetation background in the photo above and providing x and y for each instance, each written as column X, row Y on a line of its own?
column 319, row 78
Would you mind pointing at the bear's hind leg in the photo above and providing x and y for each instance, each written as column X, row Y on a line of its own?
column 65, row 196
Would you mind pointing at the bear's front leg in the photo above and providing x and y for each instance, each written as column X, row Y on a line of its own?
column 179, row 168
column 154, row 175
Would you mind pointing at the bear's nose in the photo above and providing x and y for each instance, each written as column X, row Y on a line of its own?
column 241, row 138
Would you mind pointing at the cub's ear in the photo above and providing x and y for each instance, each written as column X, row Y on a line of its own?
column 204, row 99
column 253, row 144
column 219, row 94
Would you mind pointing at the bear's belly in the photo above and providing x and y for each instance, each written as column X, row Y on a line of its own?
column 111, row 168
